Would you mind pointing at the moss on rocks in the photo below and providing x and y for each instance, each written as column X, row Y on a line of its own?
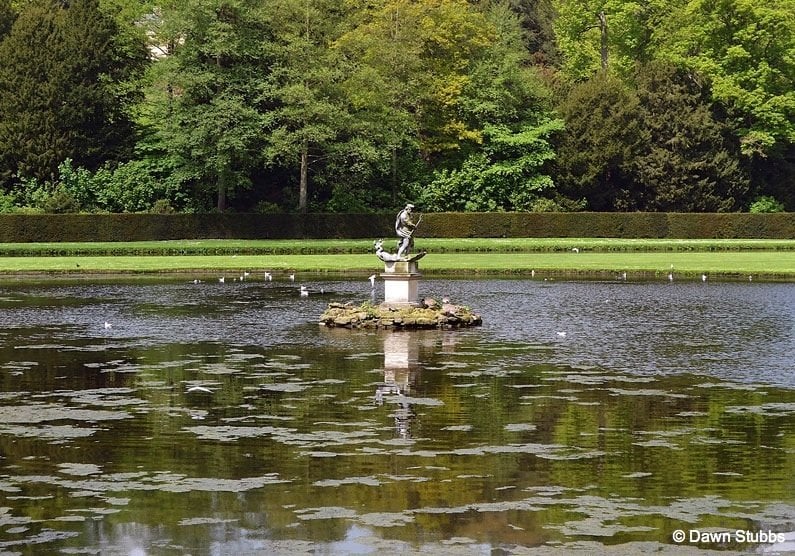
column 430, row 314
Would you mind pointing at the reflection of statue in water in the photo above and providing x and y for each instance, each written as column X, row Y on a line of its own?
column 404, row 228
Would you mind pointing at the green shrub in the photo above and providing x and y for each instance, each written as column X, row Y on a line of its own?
column 162, row 206
column 8, row 202
column 766, row 203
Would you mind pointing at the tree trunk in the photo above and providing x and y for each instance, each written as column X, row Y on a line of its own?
column 394, row 174
column 222, row 185
column 603, row 32
column 303, row 186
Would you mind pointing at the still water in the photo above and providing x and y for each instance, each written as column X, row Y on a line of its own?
column 162, row 416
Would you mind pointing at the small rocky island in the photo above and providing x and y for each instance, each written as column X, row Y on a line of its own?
column 401, row 308
column 429, row 314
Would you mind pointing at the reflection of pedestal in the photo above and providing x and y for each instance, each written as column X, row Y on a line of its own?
column 401, row 281
column 400, row 366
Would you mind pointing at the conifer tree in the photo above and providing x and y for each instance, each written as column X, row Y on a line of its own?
column 7, row 17
column 688, row 161
column 60, row 90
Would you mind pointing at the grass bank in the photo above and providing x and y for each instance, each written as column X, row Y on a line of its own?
column 765, row 259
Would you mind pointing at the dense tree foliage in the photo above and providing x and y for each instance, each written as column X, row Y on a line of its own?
column 603, row 135
column 354, row 105
column 60, row 92
column 687, row 161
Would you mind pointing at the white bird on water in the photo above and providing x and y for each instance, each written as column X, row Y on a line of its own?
column 108, row 325
column 304, row 292
column 703, row 277
column 201, row 389
column 222, row 279
column 292, row 277
column 268, row 276
column 372, row 280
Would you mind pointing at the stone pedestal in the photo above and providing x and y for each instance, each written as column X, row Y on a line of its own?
column 401, row 281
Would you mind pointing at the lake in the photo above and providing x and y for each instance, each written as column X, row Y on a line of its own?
column 155, row 415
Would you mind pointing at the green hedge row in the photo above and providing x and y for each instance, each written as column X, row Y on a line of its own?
column 613, row 224
column 18, row 228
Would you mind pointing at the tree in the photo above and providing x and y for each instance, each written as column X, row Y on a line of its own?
column 746, row 50
column 507, row 107
column 537, row 18
column 7, row 17
column 688, row 161
column 308, row 113
column 212, row 116
column 413, row 60
column 605, row 35
column 62, row 92
column 602, row 136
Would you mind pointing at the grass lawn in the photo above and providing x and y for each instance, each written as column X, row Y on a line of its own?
column 553, row 256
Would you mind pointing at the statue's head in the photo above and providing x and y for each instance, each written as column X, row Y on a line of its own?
column 378, row 244
column 409, row 207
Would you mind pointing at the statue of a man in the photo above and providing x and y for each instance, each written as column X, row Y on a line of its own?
column 404, row 227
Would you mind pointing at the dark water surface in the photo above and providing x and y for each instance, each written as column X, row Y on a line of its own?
column 219, row 418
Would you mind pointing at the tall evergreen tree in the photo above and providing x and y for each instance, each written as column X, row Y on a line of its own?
column 688, row 161
column 602, row 136
column 60, row 92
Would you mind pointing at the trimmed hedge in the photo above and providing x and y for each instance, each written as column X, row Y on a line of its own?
column 27, row 228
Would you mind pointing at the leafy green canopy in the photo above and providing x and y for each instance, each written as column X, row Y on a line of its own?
column 747, row 50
